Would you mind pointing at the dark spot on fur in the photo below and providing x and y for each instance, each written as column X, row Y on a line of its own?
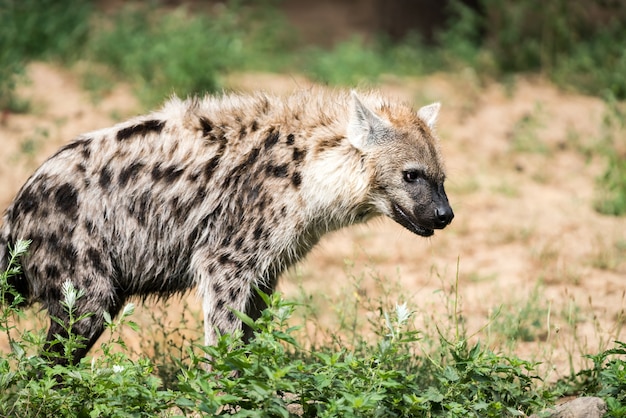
column 52, row 272
column 226, row 241
column 84, row 142
column 231, row 317
column 68, row 252
column 199, row 197
column 81, row 168
column 171, row 173
column 217, row 288
column 144, row 128
column 206, row 126
column 89, row 227
column 271, row 139
column 233, row 293
column 94, row 258
column 142, row 209
column 87, row 282
column 224, row 258
column 54, row 293
column 252, row 156
column 105, row 178
column 52, row 241
column 129, row 173
column 193, row 237
column 210, row 166
column 220, row 304
column 258, row 231
column 193, row 177
column 296, row 179
column 156, row 172
column 328, row 143
column 239, row 243
column 262, row 203
column 242, row 132
column 283, row 211
column 66, row 199
column 86, row 151
column 254, row 127
column 211, row 269
column 27, row 202
column 138, row 208
column 280, row 170
column 298, row 154
column 291, row 139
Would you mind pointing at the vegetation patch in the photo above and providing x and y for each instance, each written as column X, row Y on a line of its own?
column 400, row 372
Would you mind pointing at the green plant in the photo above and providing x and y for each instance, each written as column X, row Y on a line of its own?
column 186, row 53
column 110, row 385
column 612, row 196
column 36, row 29
column 349, row 63
column 400, row 371
column 522, row 320
column 606, row 379
column 525, row 133
column 165, row 53
column 575, row 43
column 275, row 375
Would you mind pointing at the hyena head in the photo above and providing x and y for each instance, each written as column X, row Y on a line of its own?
column 408, row 175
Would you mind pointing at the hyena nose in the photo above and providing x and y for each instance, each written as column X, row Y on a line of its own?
column 443, row 216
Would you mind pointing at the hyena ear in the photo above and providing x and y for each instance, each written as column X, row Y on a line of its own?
column 429, row 114
column 364, row 126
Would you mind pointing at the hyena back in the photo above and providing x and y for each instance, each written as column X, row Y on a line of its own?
column 220, row 193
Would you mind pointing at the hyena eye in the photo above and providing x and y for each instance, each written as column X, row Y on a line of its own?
column 411, row 176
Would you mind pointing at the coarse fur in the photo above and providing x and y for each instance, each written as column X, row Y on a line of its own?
column 219, row 193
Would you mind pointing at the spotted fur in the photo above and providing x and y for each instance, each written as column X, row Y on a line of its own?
column 219, row 193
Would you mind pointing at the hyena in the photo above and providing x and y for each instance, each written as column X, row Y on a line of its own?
column 219, row 193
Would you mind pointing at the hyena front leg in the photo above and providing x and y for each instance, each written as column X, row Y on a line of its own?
column 223, row 297
column 219, row 299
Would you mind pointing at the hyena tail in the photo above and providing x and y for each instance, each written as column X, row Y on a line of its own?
column 11, row 284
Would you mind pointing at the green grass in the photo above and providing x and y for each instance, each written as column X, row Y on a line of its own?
column 399, row 371
column 611, row 199
column 37, row 29
column 162, row 54
column 166, row 50
column 525, row 133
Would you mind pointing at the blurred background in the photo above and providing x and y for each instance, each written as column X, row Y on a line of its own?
column 532, row 128
column 188, row 46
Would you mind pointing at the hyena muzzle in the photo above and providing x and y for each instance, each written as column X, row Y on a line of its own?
column 220, row 193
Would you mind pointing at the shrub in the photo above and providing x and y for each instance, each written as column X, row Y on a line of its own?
column 110, row 385
column 38, row 29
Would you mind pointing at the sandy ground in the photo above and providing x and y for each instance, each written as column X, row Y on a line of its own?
column 525, row 241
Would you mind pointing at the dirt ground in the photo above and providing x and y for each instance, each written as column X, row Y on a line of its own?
column 525, row 238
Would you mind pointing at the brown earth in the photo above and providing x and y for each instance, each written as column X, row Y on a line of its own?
column 525, row 240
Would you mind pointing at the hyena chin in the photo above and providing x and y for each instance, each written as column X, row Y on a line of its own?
column 219, row 193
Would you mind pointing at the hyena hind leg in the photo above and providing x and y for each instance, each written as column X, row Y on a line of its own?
column 89, row 328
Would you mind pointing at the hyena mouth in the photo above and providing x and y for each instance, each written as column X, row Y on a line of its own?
column 405, row 220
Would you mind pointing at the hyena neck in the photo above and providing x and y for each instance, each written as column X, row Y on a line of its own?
column 336, row 188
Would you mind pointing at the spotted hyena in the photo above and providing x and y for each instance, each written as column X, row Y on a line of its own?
column 219, row 193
